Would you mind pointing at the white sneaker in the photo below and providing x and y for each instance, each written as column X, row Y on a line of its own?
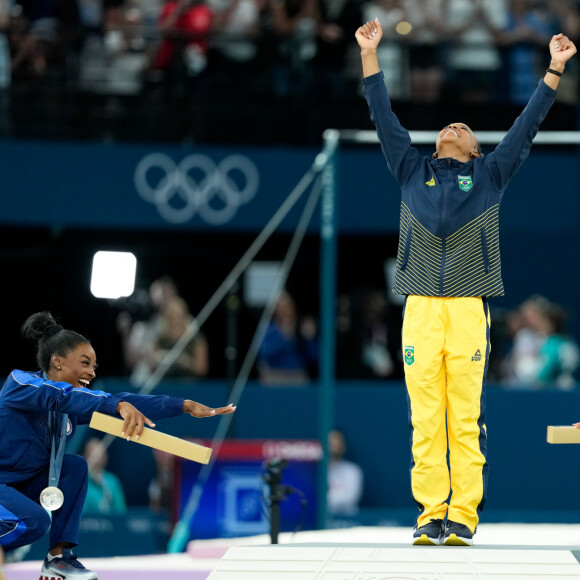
column 66, row 567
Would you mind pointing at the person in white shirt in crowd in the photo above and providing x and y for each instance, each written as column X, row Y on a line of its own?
column 473, row 28
column 426, row 74
column 237, row 30
column 392, row 53
column 345, row 478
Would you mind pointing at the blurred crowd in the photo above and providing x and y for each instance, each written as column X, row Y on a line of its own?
column 474, row 50
column 532, row 348
column 535, row 349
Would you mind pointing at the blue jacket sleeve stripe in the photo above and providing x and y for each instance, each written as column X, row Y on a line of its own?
column 29, row 392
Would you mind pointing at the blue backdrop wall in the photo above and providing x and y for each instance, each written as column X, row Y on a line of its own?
column 530, row 480
column 226, row 189
column 166, row 187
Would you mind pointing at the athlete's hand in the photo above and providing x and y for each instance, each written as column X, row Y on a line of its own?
column 199, row 410
column 369, row 35
column 562, row 49
column 577, row 425
column 134, row 420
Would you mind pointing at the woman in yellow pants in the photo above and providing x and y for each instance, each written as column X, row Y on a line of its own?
column 448, row 264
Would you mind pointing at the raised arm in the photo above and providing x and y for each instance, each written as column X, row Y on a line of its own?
column 368, row 37
column 395, row 140
column 515, row 146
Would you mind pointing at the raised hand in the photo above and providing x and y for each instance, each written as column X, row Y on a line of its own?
column 369, row 35
column 562, row 49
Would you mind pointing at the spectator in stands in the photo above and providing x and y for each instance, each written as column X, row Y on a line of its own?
column 138, row 336
column 473, row 59
column 522, row 360
column 426, row 42
column 105, row 493
column 193, row 360
column 367, row 336
column 376, row 336
column 392, row 54
column 186, row 26
column 345, row 478
column 237, row 35
column 5, row 58
column 289, row 351
column 337, row 19
column 51, row 31
column 524, row 37
column 564, row 16
column 294, row 25
column 160, row 489
column 559, row 352
column 543, row 354
column 114, row 63
column 348, row 360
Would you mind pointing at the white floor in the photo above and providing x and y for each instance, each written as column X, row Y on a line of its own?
column 203, row 556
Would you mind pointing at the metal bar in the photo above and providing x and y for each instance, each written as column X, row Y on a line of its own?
column 484, row 137
column 328, row 241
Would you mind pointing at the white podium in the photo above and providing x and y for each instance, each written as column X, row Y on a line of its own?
column 315, row 561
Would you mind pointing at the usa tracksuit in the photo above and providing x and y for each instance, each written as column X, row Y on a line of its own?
column 448, row 263
column 25, row 443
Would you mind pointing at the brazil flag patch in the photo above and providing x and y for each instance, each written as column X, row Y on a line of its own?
column 409, row 355
column 465, row 183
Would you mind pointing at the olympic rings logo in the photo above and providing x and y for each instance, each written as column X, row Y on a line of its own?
column 196, row 185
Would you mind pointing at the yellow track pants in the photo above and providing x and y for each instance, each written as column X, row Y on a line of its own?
column 445, row 351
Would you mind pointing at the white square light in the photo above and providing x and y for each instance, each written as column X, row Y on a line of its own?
column 113, row 274
column 259, row 282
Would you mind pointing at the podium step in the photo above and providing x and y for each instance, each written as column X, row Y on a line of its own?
column 396, row 562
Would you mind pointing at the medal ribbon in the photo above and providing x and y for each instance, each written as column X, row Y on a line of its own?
column 56, row 457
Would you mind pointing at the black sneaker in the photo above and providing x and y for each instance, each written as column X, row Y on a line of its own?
column 430, row 534
column 66, row 567
column 457, row 535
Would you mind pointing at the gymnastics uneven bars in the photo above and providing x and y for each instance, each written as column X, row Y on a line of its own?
column 483, row 137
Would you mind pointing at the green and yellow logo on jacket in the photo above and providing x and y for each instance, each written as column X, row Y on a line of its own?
column 465, row 183
column 409, row 355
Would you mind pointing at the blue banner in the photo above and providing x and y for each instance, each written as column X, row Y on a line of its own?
column 235, row 189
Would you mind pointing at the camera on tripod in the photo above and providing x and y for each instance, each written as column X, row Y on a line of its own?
column 273, row 471
column 278, row 492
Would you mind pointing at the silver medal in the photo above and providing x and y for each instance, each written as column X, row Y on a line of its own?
column 51, row 498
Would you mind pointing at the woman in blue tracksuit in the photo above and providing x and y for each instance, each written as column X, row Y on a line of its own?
column 37, row 409
column 448, row 263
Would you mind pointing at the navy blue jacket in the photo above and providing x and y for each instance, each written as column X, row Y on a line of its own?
column 25, row 401
column 449, row 221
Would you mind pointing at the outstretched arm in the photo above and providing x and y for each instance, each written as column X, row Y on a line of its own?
column 368, row 37
column 562, row 49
